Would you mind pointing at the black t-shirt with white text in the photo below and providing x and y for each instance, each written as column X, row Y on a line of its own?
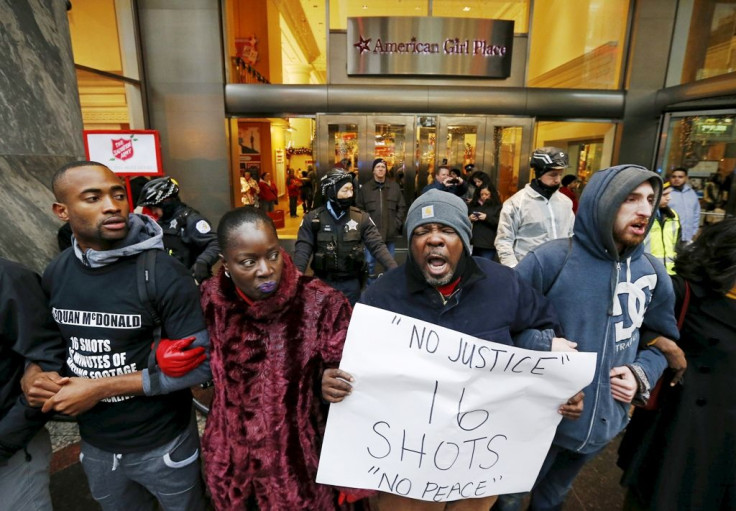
column 109, row 332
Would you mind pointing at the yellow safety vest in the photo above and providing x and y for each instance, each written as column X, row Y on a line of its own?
column 662, row 241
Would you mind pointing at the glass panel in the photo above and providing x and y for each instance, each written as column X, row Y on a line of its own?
column 341, row 10
column 390, row 144
column 107, row 103
column 345, row 140
column 507, row 155
column 711, row 46
column 578, row 47
column 589, row 159
column 461, row 145
column 589, row 144
column 706, row 146
column 703, row 143
column 426, row 150
column 516, row 10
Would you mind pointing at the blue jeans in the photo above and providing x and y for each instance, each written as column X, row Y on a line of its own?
column 559, row 470
column 24, row 482
column 371, row 262
column 169, row 474
column 486, row 253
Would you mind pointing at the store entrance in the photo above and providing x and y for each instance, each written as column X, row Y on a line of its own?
column 414, row 145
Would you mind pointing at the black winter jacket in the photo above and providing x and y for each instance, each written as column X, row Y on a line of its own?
column 27, row 333
column 386, row 206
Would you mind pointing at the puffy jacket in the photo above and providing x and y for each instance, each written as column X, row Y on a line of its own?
column 687, row 205
column 663, row 239
column 609, row 303
column 528, row 219
column 386, row 206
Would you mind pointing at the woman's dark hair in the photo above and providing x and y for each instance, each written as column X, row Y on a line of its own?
column 495, row 199
column 479, row 174
column 233, row 219
column 710, row 260
column 569, row 179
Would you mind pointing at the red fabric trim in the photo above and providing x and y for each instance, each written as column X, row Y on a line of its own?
column 448, row 289
column 242, row 295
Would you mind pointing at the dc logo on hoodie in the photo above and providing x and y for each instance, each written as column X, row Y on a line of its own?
column 635, row 297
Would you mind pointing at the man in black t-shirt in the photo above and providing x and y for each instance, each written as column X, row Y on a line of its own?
column 139, row 439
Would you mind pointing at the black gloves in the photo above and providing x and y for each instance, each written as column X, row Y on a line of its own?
column 200, row 271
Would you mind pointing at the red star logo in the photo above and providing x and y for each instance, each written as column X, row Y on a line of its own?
column 363, row 44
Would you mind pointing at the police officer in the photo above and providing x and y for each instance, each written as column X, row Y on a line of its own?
column 188, row 236
column 335, row 235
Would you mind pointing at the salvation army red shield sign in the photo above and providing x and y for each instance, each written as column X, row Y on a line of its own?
column 122, row 148
column 129, row 152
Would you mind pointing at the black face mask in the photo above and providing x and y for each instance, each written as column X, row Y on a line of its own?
column 340, row 205
column 543, row 189
column 168, row 209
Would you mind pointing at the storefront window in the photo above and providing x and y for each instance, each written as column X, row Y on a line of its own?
column 344, row 138
column 426, row 150
column 461, row 144
column 711, row 43
column 517, row 10
column 507, row 144
column 704, row 143
column 390, row 144
column 578, row 46
column 107, row 78
column 589, row 145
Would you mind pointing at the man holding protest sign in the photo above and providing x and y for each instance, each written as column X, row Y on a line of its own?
column 611, row 299
column 443, row 285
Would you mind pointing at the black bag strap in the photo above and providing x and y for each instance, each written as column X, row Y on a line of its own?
column 683, row 308
column 146, row 275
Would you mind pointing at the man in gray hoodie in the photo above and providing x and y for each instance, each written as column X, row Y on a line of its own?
column 611, row 299
column 139, row 439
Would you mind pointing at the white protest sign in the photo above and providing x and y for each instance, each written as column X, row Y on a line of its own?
column 439, row 415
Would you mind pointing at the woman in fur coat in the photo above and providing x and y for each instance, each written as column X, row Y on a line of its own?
column 273, row 333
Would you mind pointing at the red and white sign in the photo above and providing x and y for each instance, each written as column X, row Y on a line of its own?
column 133, row 152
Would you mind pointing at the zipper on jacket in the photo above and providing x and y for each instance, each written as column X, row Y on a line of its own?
column 603, row 358
column 552, row 217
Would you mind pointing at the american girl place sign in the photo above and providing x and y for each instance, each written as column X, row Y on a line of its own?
column 430, row 46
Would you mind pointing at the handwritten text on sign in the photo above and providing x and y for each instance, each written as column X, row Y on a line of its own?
column 438, row 415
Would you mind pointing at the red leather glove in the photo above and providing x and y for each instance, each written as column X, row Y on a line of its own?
column 353, row 495
column 175, row 359
column 347, row 497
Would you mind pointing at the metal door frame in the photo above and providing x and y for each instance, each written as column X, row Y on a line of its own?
column 485, row 146
column 527, row 125
column 443, row 121
column 324, row 160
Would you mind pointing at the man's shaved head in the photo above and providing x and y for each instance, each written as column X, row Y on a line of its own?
column 58, row 177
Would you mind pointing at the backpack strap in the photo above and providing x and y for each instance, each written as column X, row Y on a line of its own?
column 146, row 276
column 564, row 262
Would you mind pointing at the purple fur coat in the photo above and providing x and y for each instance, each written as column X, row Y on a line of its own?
column 265, row 428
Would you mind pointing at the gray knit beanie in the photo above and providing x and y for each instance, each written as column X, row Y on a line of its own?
column 436, row 206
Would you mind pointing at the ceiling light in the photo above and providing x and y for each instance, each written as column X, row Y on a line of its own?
column 466, row 8
column 365, row 6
